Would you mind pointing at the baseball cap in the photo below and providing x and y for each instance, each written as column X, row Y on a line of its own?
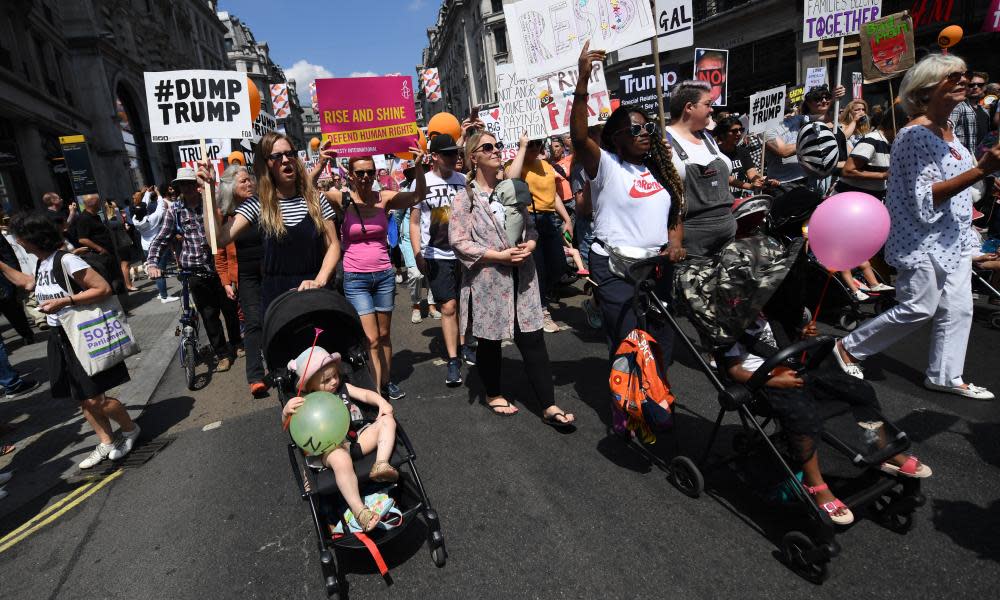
column 443, row 142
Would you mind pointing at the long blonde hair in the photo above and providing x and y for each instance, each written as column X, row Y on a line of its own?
column 267, row 191
column 846, row 117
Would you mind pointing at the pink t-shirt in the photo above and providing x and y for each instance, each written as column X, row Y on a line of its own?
column 366, row 245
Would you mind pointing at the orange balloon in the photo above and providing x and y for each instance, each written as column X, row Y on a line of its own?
column 314, row 144
column 444, row 123
column 236, row 158
column 254, row 99
column 421, row 142
column 950, row 36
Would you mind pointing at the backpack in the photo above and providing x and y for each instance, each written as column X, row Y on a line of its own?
column 640, row 393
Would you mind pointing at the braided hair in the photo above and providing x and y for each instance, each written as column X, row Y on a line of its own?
column 657, row 160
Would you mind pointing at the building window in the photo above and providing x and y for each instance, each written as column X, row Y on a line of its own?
column 500, row 39
column 496, row 6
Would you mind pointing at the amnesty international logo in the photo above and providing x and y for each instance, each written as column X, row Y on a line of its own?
column 405, row 92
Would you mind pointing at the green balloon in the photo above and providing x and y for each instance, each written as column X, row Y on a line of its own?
column 320, row 423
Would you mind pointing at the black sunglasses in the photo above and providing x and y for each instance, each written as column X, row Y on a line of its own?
column 448, row 153
column 635, row 130
column 289, row 154
column 489, row 148
column 369, row 173
column 738, row 130
column 956, row 76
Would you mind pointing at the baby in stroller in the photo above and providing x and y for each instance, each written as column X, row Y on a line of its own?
column 794, row 399
column 321, row 372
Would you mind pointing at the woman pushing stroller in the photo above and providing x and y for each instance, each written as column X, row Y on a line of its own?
column 320, row 372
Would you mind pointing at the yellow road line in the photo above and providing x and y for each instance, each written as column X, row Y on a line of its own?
column 91, row 489
column 30, row 522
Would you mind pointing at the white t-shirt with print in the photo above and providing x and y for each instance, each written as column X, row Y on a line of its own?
column 698, row 154
column 435, row 214
column 631, row 208
column 48, row 288
column 761, row 330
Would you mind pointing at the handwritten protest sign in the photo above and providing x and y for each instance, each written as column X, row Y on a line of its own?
column 887, row 48
column 518, row 108
column 217, row 149
column 767, row 109
column 492, row 119
column 637, row 86
column 189, row 105
column 825, row 19
column 796, row 94
column 815, row 77
column 367, row 115
column 546, row 35
column 555, row 98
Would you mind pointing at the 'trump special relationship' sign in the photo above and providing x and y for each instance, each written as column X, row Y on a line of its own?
column 637, row 86
column 190, row 105
column 825, row 19
column 367, row 115
column 767, row 109
column 546, row 35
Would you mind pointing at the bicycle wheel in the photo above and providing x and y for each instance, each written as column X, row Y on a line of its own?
column 189, row 358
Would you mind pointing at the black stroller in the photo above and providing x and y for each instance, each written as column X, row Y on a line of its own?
column 748, row 272
column 790, row 209
column 289, row 328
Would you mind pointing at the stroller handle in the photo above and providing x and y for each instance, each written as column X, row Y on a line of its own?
column 640, row 270
column 818, row 348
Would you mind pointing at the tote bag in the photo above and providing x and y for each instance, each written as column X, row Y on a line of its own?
column 100, row 335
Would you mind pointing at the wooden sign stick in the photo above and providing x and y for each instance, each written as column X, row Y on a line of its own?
column 208, row 209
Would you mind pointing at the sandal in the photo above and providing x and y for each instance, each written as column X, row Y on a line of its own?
column 383, row 472
column 506, row 404
column 832, row 507
column 911, row 467
column 7, row 449
column 367, row 520
column 554, row 422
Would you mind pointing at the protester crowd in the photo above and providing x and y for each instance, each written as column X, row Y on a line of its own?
column 494, row 243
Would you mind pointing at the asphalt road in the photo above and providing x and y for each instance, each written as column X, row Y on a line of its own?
column 527, row 512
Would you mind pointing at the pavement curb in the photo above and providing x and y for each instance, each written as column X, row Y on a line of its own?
column 140, row 389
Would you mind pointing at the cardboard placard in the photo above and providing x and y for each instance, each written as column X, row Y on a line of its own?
column 492, row 119
column 217, row 149
column 887, row 48
column 712, row 65
column 555, row 98
column 547, row 35
column 825, row 19
column 195, row 104
column 637, row 86
column 856, row 80
column 815, row 77
column 518, row 108
column 367, row 115
column 767, row 109
column 674, row 24
column 796, row 95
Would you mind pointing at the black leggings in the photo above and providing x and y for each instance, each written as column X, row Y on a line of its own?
column 536, row 364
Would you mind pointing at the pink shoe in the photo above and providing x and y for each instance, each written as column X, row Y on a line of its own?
column 832, row 507
column 583, row 273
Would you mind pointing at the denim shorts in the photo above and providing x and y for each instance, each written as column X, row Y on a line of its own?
column 371, row 292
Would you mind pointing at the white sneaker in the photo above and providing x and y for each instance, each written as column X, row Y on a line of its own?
column 5, row 477
column 435, row 314
column 123, row 445
column 169, row 299
column 883, row 288
column 97, row 455
column 548, row 325
column 852, row 369
column 860, row 296
column 416, row 317
column 972, row 391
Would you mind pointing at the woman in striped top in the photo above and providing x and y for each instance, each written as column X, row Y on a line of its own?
column 867, row 168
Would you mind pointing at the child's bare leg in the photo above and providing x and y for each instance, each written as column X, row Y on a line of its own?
column 380, row 437
column 869, row 274
column 848, row 278
column 339, row 461
column 576, row 259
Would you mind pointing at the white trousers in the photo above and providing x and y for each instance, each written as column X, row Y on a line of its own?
column 926, row 293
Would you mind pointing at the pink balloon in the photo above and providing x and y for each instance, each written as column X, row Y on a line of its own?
column 847, row 229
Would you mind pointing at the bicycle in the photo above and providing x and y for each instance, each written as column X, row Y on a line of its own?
column 187, row 330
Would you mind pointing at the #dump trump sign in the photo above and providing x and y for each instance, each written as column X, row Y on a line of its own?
column 367, row 115
column 190, row 105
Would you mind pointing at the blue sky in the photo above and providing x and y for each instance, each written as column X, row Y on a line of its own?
column 338, row 38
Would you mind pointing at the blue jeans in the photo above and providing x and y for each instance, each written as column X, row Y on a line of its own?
column 8, row 376
column 371, row 292
column 550, row 260
column 161, row 263
column 583, row 231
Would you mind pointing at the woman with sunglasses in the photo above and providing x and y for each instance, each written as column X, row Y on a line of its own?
column 636, row 199
column 499, row 283
column 551, row 219
column 704, row 170
column 931, row 240
column 745, row 179
column 369, row 277
column 301, row 248
column 782, row 162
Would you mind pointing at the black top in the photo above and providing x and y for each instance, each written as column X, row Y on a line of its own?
column 91, row 227
column 742, row 162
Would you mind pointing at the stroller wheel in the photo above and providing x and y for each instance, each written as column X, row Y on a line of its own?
column 995, row 320
column 440, row 556
column 686, row 476
column 804, row 557
column 848, row 321
column 332, row 588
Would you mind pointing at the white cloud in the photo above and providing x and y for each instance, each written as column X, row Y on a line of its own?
column 363, row 74
column 304, row 73
column 415, row 5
